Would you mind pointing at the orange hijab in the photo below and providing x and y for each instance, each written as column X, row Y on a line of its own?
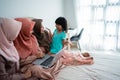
column 26, row 42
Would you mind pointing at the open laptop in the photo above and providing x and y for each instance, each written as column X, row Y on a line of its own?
column 48, row 60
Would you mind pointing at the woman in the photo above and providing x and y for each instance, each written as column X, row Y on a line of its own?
column 9, row 58
column 43, row 36
column 27, row 47
column 26, row 43
column 28, row 51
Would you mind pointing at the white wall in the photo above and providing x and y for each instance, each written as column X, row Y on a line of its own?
column 70, row 13
column 48, row 10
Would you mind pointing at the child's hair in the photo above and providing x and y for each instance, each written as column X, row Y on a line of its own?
column 63, row 22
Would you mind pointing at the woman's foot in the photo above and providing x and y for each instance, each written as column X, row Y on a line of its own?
column 86, row 54
column 88, row 58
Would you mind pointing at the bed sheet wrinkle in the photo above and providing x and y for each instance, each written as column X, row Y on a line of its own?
column 105, row 67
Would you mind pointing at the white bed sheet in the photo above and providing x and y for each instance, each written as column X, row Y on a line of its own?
column 105, row 67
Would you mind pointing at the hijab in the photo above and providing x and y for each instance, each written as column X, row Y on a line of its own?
column 26, row 42
column 9, row 29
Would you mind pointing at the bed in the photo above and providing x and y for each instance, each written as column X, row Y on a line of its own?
column 106, row 67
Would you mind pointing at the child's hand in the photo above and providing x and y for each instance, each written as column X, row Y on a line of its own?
column 69, row 42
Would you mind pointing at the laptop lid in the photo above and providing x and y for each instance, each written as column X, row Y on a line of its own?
column 56, row 57
column 41, row 60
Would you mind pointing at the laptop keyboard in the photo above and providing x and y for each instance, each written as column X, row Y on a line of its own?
column 47, row 61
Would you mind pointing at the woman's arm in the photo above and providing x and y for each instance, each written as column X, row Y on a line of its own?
column 4, row 75
column 28, row 60
column 64, row 42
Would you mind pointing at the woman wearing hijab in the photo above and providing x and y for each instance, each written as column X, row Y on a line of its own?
column 9, row 58
column 43, row 36
column 29, row 50
column 26, row 44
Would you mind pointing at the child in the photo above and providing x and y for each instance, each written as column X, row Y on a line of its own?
column 59, row 35
column 68, row 57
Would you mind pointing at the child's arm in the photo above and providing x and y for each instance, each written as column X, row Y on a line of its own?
column 64, row 42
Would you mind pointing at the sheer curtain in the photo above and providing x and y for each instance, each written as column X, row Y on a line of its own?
column 101, row 22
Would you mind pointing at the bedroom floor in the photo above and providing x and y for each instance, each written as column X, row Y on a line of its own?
column 106, row 67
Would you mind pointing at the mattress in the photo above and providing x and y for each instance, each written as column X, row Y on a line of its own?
column 106, row 67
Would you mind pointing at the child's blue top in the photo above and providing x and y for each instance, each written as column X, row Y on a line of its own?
column 57, row 39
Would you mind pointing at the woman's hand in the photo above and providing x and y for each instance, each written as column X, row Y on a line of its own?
column 40, row 55
column 49, row 31
column 27, row 74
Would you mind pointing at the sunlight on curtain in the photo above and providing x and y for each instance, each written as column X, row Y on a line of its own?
column 99, row 2
column 112, row 13
column 83, row 13
column 100, row 20
column 114, row 1
column 98, row 15
column 110, row 40
column 118, row 44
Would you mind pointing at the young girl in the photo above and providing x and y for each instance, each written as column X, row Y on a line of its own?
column 59, row 35
column 59, row 40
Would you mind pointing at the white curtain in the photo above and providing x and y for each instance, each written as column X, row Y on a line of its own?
column 100, row 20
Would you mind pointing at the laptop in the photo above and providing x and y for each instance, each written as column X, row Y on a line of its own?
column 48, row 60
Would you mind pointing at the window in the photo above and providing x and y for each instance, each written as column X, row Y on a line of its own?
column 99, row 2
column 98, row 14
column 101, row 19
column 112, row 13
column 113, row 1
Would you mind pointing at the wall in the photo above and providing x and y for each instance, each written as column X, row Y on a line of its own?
column 48, row 10
column 70, row 13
